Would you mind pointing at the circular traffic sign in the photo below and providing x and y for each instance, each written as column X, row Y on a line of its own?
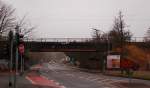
column 21, row 49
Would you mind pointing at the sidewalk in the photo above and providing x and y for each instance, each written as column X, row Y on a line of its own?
column 21, row 81
column 30, row 79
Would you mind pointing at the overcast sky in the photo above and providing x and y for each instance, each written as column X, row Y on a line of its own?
column 75, row 18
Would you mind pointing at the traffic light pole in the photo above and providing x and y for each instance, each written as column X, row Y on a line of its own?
column 19, row 50
column 17, row 56
column 11, row 58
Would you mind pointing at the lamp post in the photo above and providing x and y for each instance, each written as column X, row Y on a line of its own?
column 104, row 61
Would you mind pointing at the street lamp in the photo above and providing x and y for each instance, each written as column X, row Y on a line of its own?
column 104, row 61
column 106, row 38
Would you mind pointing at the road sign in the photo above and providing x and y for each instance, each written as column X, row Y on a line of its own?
column 21, row 49
column 113, row 61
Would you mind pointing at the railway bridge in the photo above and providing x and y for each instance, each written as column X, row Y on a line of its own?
column 66, row 45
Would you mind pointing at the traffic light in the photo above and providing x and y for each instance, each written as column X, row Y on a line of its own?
column 21, row 44
column 19, row 39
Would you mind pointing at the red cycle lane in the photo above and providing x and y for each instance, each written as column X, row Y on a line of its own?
column 42, row 81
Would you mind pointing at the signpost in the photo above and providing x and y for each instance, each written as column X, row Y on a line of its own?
column 21, row 52
column 113, row 61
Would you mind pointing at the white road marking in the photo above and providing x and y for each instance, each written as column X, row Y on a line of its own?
column 62, row 87
column 30, row 80
column 44, row 77
column 81, row 77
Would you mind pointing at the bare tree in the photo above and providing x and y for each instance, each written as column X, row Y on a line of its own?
column 25, row 27
column 118, row 34
column 8, row 21
column 7, row 18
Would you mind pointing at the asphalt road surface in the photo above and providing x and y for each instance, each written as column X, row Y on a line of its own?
column 74, row 78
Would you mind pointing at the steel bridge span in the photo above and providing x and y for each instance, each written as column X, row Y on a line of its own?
column 66, row 45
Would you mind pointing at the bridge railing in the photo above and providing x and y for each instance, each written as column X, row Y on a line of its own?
column 133, row 39
column 140, row 39
column 3, row 38
column 58, row 39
